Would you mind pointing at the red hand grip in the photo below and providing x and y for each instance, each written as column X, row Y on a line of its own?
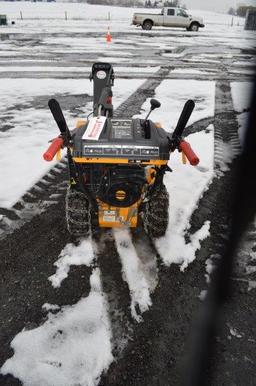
column 187, row 150
column 53, row 148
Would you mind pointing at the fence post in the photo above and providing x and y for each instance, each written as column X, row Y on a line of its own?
column 66, row 15
column 109, row 16
column 21, row 16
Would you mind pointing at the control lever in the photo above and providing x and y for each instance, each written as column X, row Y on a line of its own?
column 184, row 117
column 155, row 104
column 65, row 135
column 176, row 141
column 59, row 119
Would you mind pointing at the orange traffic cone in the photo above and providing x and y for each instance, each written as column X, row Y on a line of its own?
column 108, row 37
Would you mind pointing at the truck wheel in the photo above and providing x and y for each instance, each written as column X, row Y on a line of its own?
column 156, row 212
column 147, row 25
column 77, row 213
column 193, row 27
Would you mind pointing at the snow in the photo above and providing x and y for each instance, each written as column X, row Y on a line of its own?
column 246, row 71
column 28, row 211
column 183, row 200
column 248, row 63
column 50, row 307
column 132, row 273
column 42, row 69
column 202, row 295
column 50, row 17
column 250, row 269
column 82, row 254
column 192, row 71
column 73, row 347
column 241, row 95
column 252, row 285
column 172, row 247
column 174, row 93
column 242, row 123
column 57, row 10
column 235, row 333
column 227, row 155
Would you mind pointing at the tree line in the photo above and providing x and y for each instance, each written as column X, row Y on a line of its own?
column 139, row 3
column 241, row 10
column 161, row 3
column 123, row 3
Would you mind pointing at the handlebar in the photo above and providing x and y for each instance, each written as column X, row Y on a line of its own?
column 184, row 117
column 187, row 150
column 59, row 118
column 54, row 147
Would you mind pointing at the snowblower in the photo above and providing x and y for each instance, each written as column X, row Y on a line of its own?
column 117, row 166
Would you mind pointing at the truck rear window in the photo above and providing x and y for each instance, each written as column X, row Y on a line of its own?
column 170, row 12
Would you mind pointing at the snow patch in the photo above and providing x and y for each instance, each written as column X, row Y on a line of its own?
column 252, row 285
column 71, row 348
column 235, row 333
column 50, row 307
column 241, row 94
column 224, row 157
column 250, row 269
column 82, row 254
column 133, row 273
column 174, row 93
column 185, row 186
column 202, row 295
column 174, row 249
column 243, row 124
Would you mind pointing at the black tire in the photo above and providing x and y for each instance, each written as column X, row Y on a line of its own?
column 156, row 210
column 77, row 213
column 194, row 27
column 147, row 25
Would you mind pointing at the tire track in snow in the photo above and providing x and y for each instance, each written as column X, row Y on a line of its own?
column 114, row 288
column 45, row 193
column 226, row 140
column 226, row 149
column 129, row 275
column 147, row 254
column 133, row 274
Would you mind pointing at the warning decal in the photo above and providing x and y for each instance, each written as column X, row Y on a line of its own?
column 94, row 128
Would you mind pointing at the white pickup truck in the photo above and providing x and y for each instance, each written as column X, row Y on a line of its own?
column 169, row 17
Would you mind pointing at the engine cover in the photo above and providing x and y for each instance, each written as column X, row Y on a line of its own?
column 119, row 186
